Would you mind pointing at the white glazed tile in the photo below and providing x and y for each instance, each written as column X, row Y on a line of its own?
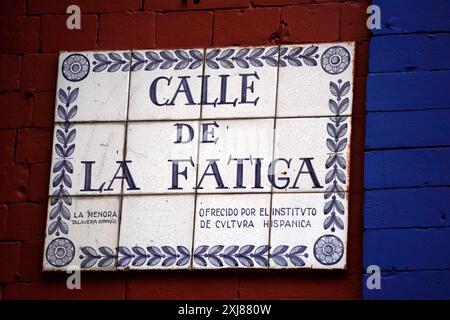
column 302, row 235
column 175, row 75
column 156, row 232
column 305, row 76
column 231, row 231
column 80, row 146
column 252, row 68
column 248, row 140
column 82, row 232
column 152, row 149
column 101, row 83
column 304, row 141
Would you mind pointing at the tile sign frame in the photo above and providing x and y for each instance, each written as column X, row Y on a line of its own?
column 103, row 226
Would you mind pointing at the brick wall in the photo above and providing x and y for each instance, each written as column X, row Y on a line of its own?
column 407, row 160
column 31, row 34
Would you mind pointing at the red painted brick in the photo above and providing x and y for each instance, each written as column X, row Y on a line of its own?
column 175, row 5
column 355, row 235
column 86, row 6
column 362, row 58
column 39, row 72
column 16, row 110
column 308, row 285
column 39, row 178
column 311, row 23
column 26, row 221
column 281, row 2
column 184, row 29
column 56, row 289
column 359, row 96
column 39, row 77
column 188, row 286
column 44, row 109
column 12, row 8
column 19, row 35
column 56, row 37
column 10, row 75
column 34, row 145
column 14, row 186
column 31, row 261
column 357, row 172
column 10, row 260
column 7, row 141
column 357, row 140
column 3, row 220
column 247, row 27
column 127, row 30
column 353, row 21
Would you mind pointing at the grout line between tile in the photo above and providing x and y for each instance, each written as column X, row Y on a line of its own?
column 273, row 155
column 193, row 193
column 215, row 118
column 197, row 162
column 124, row 157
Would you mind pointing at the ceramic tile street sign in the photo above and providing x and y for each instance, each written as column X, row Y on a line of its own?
column 201, row 159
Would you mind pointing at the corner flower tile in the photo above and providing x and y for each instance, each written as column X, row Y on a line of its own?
column 311, row 154
column 94, row 84
column 156, row 232
column 163, row 155
column 166, row 84
column 309, row 230
column 87, row 159
column 234, row 156
column 307, row 71
column 234, row 79
column 231, row 231
column 82, row 232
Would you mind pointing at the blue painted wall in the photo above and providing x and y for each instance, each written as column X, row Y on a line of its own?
column 407, row 158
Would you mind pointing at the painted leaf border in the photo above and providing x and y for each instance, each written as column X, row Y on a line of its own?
column 216, row 58
column 336, row 164
column 203, row 256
